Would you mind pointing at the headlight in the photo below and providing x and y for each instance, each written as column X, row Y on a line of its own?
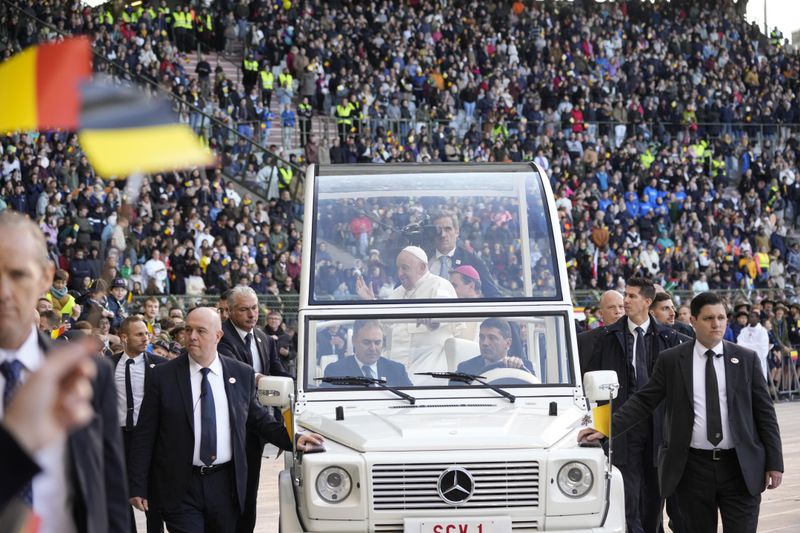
column 334, row 484
column 575, row 479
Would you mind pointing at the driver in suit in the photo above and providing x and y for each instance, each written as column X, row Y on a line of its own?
column 495, row 340
column 367, row 360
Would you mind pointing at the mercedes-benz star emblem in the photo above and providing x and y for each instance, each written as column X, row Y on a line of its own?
column 455, row 485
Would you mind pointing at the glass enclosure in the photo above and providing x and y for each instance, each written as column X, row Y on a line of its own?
column 406, row 352
column 473, row 235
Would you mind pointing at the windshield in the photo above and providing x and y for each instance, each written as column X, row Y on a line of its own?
column 407, row 352
column 432, row 236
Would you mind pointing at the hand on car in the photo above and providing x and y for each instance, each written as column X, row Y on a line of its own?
column 589, row 435
column 309, row 440
column 513, row 362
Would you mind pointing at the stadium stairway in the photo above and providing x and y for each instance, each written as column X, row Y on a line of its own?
column 231, row 68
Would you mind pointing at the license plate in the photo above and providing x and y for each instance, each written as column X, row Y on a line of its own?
column 497, row 524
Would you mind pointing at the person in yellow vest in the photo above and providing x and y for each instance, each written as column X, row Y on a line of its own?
column 343, row 121
column 249, row 72
column 188, row 25
column 128, row 16
column 205, row 30
column 179, row 29
column 164, row 16
column 357, row 115
column 267, row 85
column 286, row 88
column 305, row 113
column 62, row 301
column 762, row 258
column 285, row 176
column 718, row 167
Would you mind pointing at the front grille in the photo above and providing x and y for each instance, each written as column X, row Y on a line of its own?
column 498, row 485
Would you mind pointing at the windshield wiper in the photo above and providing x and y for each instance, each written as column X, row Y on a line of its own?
column 366, row 382
column 469, row 378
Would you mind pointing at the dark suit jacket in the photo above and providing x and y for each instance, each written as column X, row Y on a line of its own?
column 586, row 343
column 163, row 443
column 610, row 353
column 394, row 372
column 684, row 329
column 477, row 364
column 18, row 467
column 233, row 346
column 753, row 424
column 98, row 477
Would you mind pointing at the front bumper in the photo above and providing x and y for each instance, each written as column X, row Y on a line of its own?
column 615, row 522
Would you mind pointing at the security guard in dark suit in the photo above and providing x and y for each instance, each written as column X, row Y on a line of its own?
column 721, row 446
column 630, row 347
column 132, row 368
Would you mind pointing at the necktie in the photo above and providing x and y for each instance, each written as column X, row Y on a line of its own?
column 12, row 372
column 208, row 421
column 248, row 339
column 444, row 266
column 367, row 370
column 641, row 360
column 128, row 395
column 713, row 416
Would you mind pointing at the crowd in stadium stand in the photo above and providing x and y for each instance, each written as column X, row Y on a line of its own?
column 669, row 135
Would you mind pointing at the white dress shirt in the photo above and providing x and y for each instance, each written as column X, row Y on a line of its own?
column 137, row 385
column 217, row 383
column 632, row 328
column 757, row 339
column 257, row 366
column 699, row 430
column 52, row 493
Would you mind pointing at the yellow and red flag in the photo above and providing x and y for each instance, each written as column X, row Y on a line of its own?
column 121, row 130
column 40, row 87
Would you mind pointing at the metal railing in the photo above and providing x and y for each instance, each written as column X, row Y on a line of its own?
column 584, row 297
column 617, row 131
column 288, row 304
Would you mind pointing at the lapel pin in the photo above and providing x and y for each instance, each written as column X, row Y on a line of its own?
column 734, row 360
column 257, row 339
column 152, row 365
column 231, row 380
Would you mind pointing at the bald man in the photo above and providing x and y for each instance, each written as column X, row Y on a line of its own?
column 611, row 308
column 188, row 455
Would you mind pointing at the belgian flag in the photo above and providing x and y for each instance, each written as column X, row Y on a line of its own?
column 40, row 86
column 121, row 130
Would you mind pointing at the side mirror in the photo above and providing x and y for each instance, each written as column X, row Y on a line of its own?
column 274, row 391
column 599, row 384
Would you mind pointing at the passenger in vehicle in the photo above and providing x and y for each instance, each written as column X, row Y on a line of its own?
column 467, row 283
column 495, row 342
column 367, row 360
column 416, row 282
column 418, row 344
column 331, row 341
column 448, row 255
